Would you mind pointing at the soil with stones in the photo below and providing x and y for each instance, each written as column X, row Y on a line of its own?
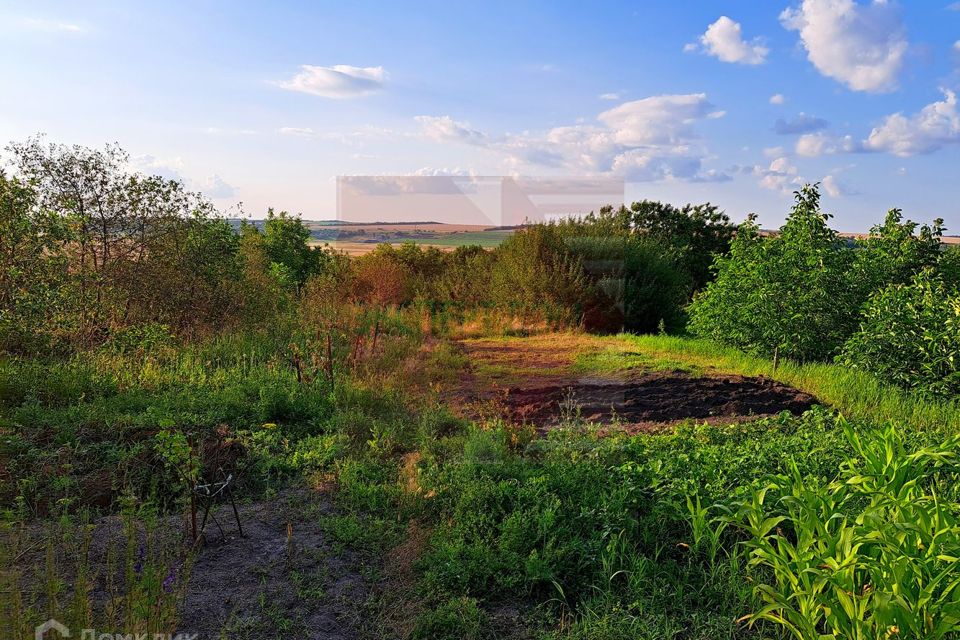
column 654, row 399
column 283, row 578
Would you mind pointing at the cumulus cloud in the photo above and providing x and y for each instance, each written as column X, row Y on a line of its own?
column 724, row 40
column 166, row 168
column 338, row 81
column 936, row 125
column 665, row 119
column 803, row 123
column 300, row 132
column 446, row 129
column 643, row 140
column 778, row 98
column 780, row 175
column 173, row 169
column 860, row 45
column 217, row 188
column 821, row 144
column 774, row 152
column 834, row 187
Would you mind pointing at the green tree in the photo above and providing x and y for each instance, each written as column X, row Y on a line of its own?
column 33, row 266
column 789, row 294
column 286, row 241
column 115, row 216
column 895, row 251
column 692, row 234
column 949, row 266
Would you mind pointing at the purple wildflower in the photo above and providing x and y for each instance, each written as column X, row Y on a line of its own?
column 138, row 565
column 171, row 578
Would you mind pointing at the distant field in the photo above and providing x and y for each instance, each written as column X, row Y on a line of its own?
column 360, row 238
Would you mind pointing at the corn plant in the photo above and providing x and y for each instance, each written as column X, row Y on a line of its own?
column 873, row 554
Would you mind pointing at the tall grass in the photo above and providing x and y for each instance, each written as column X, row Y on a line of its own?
column 855, row 393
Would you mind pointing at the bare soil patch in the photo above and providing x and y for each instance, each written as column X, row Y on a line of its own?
column 532, row 381
column 282, row 577
column 655, row 399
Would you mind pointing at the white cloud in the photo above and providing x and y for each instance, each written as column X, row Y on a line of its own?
column 51, row 26
column 778, row 98
column 664, row 119
column 300, row 132
column 173, row 169
column 217, row 188
column 643, row 140
column 166, row 168
column 724, row 40
column 936, row 125
column 955, row 6
column 609, row 96
column 355, row 137
column 833, row 187
column 774, row 152
column 956, row 45
column 861, row 45
column 446, row 129
column 780, row 175
column 338, row 81
column 820, row 144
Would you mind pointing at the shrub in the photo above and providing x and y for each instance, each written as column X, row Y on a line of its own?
column 910, row 335
column 788, row 294
column 895, row 251
column 535, row 274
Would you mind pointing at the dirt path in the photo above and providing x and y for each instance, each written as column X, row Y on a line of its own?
column 535, row 381
column 283, row 579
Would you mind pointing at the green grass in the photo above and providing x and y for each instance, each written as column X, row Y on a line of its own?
column 855, row 393
column 614, row 536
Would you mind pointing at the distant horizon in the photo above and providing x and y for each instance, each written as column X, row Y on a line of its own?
column 736, row 103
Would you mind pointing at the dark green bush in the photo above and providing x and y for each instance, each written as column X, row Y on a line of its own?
column 789, row 294
column 910, row 335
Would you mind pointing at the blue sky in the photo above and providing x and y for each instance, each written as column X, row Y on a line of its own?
column 733, row 102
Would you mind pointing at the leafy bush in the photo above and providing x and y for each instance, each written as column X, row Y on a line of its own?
column 910, row 335
column 535, row 275
column 788, row 294
column 895, row 251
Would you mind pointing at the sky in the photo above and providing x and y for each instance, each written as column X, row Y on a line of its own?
column 734, row 102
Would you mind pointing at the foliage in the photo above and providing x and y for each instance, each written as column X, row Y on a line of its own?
column 874, row 553
column 788, row 294
column 535, row 273
column 32, row 266
column 285, row 240
column 692, row 235
column 910, row 335
column 895, row 251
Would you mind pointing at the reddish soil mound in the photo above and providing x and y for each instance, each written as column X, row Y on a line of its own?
column 659, row 398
